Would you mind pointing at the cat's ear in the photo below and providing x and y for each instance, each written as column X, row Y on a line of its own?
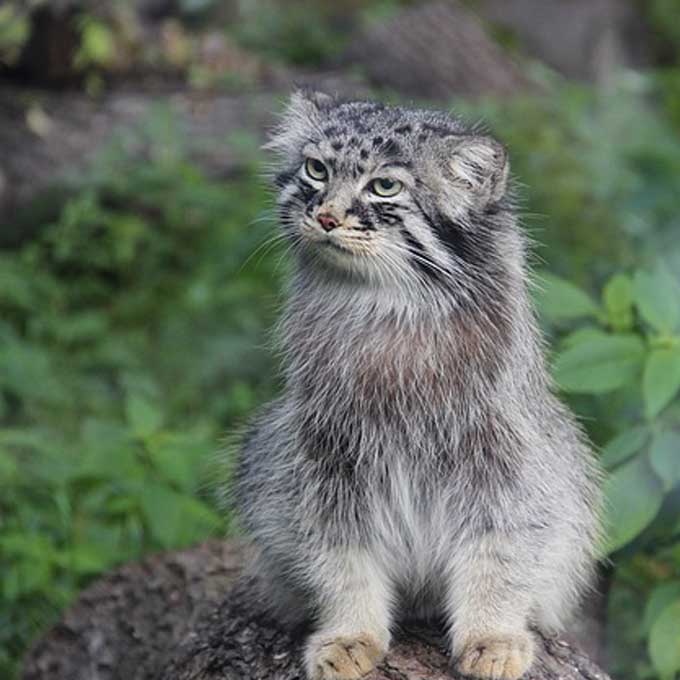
column 480, row 164
column 305, row 108
column 308, row 102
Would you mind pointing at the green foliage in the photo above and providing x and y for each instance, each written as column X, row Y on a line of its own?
column 600, row 199
column 272, row 28
column 599, row 362
column 97, row 43
column 560, row 299
column 627, row 356
column 664, row 641
column 663, row 17
column 634, row 495
column 14, row 32
column 129, row 342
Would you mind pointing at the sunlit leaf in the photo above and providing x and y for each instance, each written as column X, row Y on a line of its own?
column 579, row 336
column 601, row 363
column 98, row 44
column 657, row 296
column 661, row 379
column 559, row 299
column 618, row 301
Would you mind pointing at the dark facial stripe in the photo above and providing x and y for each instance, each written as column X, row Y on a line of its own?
column 317, row 199
column 387, row 213
column 390, row 149
column 458, row 241
column 283, row 178
column 306, row 190
column 420, row 258
column 286, row 209
column 438, row 130
column 363, row 215
column 401, row 164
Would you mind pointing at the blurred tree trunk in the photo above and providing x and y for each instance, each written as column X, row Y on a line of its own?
column 188, row 616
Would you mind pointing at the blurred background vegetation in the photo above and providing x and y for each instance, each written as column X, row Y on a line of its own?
column 137, row 283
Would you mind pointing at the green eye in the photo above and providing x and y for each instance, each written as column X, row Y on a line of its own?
column 386, row 187
column 316, row 169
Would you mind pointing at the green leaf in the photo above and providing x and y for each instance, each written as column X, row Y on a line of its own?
column 82, row 558
column 97, row 43
column 618, row 301
column 178, row 458
column 601, row 363
column 660, row 597
column 175, row 519
column 658, row 299
column 579, row 336
column 661, row 380
column 634, row 496
column 624, row 445
column 108, row 452
column 664, row 641
column 8, row 467
column 559, row 299
column 664, row 454
column 144, row 417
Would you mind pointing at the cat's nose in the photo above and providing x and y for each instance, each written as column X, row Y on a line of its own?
column 328, row 221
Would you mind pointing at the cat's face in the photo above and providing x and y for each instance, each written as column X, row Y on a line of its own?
column 386, row 194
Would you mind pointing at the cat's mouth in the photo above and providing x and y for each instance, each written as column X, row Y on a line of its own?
column 338, row 247
column 336, row 243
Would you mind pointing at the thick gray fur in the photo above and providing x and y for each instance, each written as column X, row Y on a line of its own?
column 417, row 462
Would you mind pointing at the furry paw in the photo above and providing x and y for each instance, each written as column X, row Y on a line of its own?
column 342, row 658
column 502, row 657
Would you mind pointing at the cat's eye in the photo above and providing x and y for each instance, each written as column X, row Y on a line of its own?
column 316, row 169
column 382, row 186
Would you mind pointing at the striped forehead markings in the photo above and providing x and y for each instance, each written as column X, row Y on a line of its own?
column 403, row 129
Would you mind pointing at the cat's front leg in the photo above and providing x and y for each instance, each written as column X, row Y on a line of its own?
column 489, row 604
column 353, row 623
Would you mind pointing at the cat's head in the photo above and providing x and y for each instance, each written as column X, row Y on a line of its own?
column 390, row 195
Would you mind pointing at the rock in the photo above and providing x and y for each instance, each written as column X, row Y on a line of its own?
column 190, row 615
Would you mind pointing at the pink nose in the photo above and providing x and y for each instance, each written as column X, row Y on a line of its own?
column 328, row 221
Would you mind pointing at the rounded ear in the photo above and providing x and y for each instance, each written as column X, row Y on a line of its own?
column 308, row 102
column 304, row 109
column 481, row 164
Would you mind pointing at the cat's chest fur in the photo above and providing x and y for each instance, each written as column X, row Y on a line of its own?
column 406, row 378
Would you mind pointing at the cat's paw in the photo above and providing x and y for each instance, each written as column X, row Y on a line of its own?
column 497, row 657
column 342, row 658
